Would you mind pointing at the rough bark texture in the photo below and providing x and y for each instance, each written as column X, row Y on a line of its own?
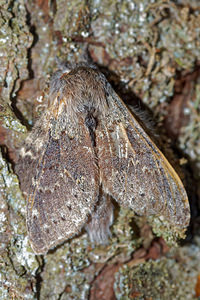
column 150, row 54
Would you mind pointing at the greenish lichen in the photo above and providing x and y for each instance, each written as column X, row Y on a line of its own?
column 63, row 273
column 161, row 279
column 74, row 263
column 189, row 140
column 18, row 263
column 147, row 43
column 15, row 39
column 9, row 121
column 162, row 227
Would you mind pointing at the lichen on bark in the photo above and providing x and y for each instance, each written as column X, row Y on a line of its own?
column 149, row 46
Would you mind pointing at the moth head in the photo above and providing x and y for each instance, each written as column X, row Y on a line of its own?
column 80, row 90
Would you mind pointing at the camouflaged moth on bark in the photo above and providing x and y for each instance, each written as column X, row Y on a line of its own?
column 86, row 149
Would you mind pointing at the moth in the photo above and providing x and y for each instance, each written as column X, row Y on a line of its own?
column 86, row 149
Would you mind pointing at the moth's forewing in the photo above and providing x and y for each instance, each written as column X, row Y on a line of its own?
column 63, row 184
column 134, row 171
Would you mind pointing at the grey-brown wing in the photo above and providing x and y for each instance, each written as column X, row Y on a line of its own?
column 134, row 171
column 62, row 186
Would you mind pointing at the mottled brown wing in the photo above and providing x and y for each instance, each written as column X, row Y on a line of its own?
column 133, row 170
column 62, row 188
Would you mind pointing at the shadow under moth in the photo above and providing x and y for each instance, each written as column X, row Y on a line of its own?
column 85, row 149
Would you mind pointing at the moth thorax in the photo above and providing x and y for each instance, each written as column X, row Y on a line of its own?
column 91, row 121
column 93, row 105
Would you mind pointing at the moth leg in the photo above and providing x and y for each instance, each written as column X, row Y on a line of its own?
column 98, row 226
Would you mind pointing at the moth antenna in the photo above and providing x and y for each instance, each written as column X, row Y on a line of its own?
column 63, row 65
column 85, row 55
